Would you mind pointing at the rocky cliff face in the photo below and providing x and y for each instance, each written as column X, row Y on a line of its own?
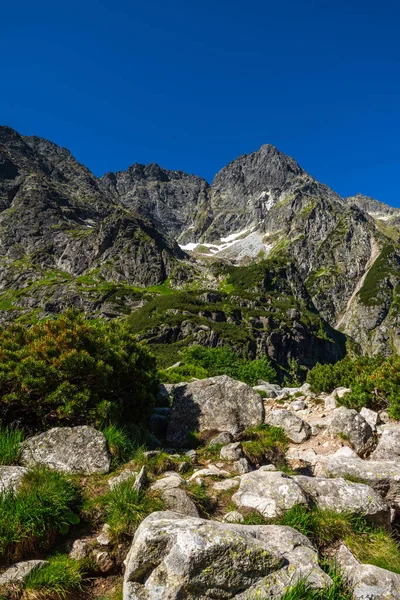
column 68, row 237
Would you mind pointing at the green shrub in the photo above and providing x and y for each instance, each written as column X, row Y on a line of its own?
column 120, row 444
column 10, row 440
column 183, row 373
column 69, row 370
column 61, row 578
column 45, row 505
column 265, row 443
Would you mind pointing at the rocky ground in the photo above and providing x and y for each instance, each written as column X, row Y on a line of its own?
column 221, row 525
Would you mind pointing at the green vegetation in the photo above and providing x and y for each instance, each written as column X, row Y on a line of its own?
column 337, row 591
column 45, row 505
column 385, row 266
column 125, row 508
column 203, row 362
column 60, row 579
column 69, row 370
column 10, row 440
column 200, row 496
column 374, row 382
column 265, row 443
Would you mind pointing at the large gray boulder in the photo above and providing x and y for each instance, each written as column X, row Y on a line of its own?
column 341, row 496
column 296, row 429
column 367, row 581
column 382, row 475
column 68, row 449
column 174, row 557
column 271, row 493
column 11, row 478
column 350, row 425
column 388, row 447
column 216, row 404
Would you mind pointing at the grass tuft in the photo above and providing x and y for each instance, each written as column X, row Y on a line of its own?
column 10, row 440
column 265, row 443
column 62, row 578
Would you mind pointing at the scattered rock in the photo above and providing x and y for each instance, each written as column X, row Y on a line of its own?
column 341, row 496
column 209, row 471
column 384, row 416
column 231, row 451
column 103, row 561
column 367, row 581
column 194, row 558
column 68, row 449
column 346, row 452
column 233, row 517
column 123, row 476
column 388, row 447
column 178, row 500
column 298, row 405
column 141, row 480
column 222, row 438
column 11, row 478
column 272, row 390
column 371, row 417
column 270, row 493
column 349, row 424
column 226, row 484
column 20, row 571
column 213, row 404
column 81, row 549
column 242, row 466
column 168, row 482
column 296, row 429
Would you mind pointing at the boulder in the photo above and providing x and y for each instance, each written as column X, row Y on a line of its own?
column 367, row 581
column 350, row 425
column 382, row 475
column 371, row 417
column 68, row 449
column 338, row 393
column 231, row 451
column 216, row 404
column 271, row 493
column 222, row 438
column 388, row 447
column 226, row 484
column 174, row 557
column 296, row 429
column 11, row 478
column 272, row 390
column 19, row 572
column 298, row 405
column 341, row 496
column 242, row 465
column 168, row 482
column 178, row 500
column 234, row 516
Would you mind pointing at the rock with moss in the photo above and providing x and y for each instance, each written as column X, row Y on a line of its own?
column 350, row 425
column 216, row 404
column 16, row 574
column 175, row 557
column 296, row 429
column 11, row 478
column 271, row 493
column 80, row 450
column 388, row 447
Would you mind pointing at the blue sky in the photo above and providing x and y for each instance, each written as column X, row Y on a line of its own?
column 192, row 85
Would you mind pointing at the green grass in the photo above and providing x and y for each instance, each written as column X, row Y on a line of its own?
column 125, row 508
column 386, row 265
column 265, row 443
column 10, row 440
column 62, row 578
column 46, row 505
column 120, row 444
column 337, row 591
column 200, row 496
column 158, row 464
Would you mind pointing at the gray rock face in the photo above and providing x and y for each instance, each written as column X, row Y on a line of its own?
column 388, row 447
column 222, row 438
column 68, row 449
column 382, row 475
column 11, row 478
column 350, row 424
column 296, row 429
column 193, row 558
column 20, row 571
column 367, row 581
column 345, row 496
column 212, row 405
column 231, row 451
column 271, row 493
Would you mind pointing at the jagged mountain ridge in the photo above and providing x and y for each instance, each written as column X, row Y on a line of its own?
column 59, row 221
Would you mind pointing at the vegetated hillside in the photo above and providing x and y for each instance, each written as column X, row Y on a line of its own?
column 108, row 246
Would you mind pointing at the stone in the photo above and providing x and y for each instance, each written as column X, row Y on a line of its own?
column 382, row 475
column 330, row 402
column 272, row 390
column 125, row 475
column 371, row 417
column 298, row 405
column 11, row 478
column 307, row 455
column 342, row 496
column 192, row 454
column 231, row 451
column 81, row 549
column 388, row 447
column 211, row 405
column 20, row 571
column 210, row 471
column 270, row 493
column 367, row 581
column 242, row 466
column 81, row 450
column 296, row 429
column 234, row 516
column 168, row 482
column 222, row 438
column 346, row 452
column 178, row 500
column 350, row 425
column 140, row 480
column 226, row 485
column 103, row 561
column 384, row 416
column 187, row 557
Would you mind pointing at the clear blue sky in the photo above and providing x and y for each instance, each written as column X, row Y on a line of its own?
column 192, row 85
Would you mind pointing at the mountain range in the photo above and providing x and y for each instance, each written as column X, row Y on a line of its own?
column 265, row 259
